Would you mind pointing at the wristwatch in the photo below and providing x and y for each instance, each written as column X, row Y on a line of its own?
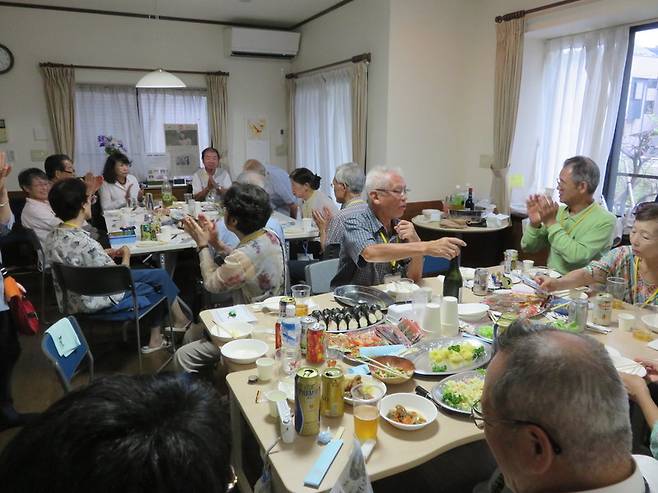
column 201, row 248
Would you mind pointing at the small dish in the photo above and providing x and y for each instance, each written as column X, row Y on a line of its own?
column 403, row 365
column 411, row 402
column 366, row 380
column 244, row 351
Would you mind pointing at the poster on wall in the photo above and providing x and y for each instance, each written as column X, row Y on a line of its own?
column 3, row 132
column 257, row 141
column 182, row 145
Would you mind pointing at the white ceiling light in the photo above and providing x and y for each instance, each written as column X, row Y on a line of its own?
column 160, row 79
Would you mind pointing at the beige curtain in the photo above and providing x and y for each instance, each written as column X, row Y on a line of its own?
column 291, row 85
column 509, row 59
column 359, row 112
column 218, row 111
column 59, row 84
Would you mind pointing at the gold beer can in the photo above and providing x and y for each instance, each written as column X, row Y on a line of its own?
column 307, row 401
column 333, row 383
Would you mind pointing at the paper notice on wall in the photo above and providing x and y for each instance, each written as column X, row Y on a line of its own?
column 516, row 181
column 257, row 139
column 3, row 132
column 182, row 144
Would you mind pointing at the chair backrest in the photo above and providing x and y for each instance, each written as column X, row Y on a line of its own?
column 33, row 240
column 66, row 366
column 93, row 281
column 433, row 266
column 319, row 275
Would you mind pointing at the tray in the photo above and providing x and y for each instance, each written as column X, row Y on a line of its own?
column 419, row 355
column 352, row 295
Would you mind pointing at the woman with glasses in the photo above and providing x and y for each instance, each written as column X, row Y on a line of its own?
column 119, row 187
column 305, row 185
column 636, row 263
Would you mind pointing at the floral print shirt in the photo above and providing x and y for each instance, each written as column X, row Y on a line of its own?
column 74, row 246
column 620, row 262
column 253, row 271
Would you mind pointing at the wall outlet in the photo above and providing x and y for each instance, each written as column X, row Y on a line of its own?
column 486, row 160
column 38, row 155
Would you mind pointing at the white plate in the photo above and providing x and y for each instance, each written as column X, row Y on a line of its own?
column 627, row 365
column 411, row 402
column 244, row 351
column 229, row 331
column 651, row 321
column 545, row 272
column 366, row 380
column 437, row 391
column 472, row 312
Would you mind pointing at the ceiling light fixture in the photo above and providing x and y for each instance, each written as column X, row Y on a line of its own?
column 159, row 78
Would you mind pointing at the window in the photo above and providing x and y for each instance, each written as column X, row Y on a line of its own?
column 323, row 123
column 136, row 117
column 633, row 166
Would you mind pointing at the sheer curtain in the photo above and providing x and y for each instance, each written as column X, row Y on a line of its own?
column 106, row 110
column 182, row 106
column 323, row 123
column 582, row 81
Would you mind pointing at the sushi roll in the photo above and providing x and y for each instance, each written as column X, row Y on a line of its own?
column 317, row 315
column 372, row 318
column 332, row 324
column 342, row 324
column 322, row 324
column 378, row 313
column 363, row 319
column 326, row 312
column 352, row 321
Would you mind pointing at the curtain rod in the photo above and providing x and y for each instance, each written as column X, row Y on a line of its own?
column 522, row 13
column 363, row 57
column 131, row 69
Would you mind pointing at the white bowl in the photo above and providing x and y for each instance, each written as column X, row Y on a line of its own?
column 472, row 312
column 651, row 321
column 244, row 351
column 229, row 331
column 411, row 402
column 367, row 380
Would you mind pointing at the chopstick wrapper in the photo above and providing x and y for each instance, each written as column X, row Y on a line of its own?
column 322, row 465
column 374, row 351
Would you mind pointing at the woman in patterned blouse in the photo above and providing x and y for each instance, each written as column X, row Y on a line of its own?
column 637, row 263
column 69, row 244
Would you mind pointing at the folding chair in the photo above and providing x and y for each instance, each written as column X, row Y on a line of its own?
column 67, row 366
column 107, row 281
column 319, row 275
column 433, row 266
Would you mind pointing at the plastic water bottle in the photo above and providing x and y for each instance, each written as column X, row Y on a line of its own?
column 167, row 194
column 291, row 328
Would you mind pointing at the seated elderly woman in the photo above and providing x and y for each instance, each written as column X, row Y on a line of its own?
column 637, row 263
column 252, row 271
column 69, row 244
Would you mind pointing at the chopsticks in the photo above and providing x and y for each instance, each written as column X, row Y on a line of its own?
column 381, row 366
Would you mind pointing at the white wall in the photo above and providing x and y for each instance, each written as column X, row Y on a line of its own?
column 359, row 27
column 256, row 87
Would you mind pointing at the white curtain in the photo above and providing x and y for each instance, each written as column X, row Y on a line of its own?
column 581, row 89
column 182, row 106
column 110, row 111
column 323, row 123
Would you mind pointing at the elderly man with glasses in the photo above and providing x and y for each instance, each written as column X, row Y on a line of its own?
column 377, row 242
column 577, row 232
column 555, row 416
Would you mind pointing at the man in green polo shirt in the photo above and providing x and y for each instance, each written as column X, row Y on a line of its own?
column 576, row 232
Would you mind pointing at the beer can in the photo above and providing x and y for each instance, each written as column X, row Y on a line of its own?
column 283, row 303
column 602, row 309
column 145, row 230
column 333, row 382
column 306, row 324
column 307, row 401
column 315, row 344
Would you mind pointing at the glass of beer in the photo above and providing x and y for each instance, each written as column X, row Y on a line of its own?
column 366, row 419
column 616, row 286
column 301, row 293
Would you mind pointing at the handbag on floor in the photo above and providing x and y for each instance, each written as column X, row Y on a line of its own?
column 22, row 310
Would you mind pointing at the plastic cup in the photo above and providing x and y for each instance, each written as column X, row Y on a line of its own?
column 432, row 318
column 265, row 369
column 301, row 294
column 274, row 396
column 528, row 265
column 288, row 358
column 366, row 420
column 626, row 321
column 616, row 286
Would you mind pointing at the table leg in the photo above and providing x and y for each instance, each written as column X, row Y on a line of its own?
column 167, row 261
column 236, row 445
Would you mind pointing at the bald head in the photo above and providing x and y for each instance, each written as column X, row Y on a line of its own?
column 255, row 166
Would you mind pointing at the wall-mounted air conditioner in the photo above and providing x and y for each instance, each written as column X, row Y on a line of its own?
column 262, row 43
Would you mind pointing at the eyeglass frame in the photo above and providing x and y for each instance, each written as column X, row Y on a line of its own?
column 477, row 416
column 399, row 193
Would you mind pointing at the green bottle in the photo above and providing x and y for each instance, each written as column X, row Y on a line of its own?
column 453, row 280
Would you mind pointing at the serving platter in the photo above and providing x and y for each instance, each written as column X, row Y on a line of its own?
column 439, row 388
column 353, row 295
column 419, row 354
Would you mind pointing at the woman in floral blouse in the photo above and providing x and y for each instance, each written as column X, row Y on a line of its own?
column 637, row 263
column 69, row 244
column 253, row 271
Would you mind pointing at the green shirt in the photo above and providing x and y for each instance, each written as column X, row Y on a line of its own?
column 573, row 240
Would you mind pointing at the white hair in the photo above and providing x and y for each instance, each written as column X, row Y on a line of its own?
column 380, row 178
column 351, row 175
column 251, row 178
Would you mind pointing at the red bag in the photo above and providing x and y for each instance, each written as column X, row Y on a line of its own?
column 24, row 315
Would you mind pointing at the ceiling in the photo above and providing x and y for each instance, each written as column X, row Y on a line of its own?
column 280, row 13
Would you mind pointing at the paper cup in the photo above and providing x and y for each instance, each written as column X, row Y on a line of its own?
column 626, row 321
column 433, row 318
column 265, row 368
column 274, row 396
column 449, row 317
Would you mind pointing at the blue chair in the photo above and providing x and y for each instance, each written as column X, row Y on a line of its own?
column 66, row 367
column 319, row 275
column 433, row 266
column 107, row 281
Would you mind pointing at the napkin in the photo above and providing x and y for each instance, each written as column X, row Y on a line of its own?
column 354, row 478
column 374, row 351
column 64, row 337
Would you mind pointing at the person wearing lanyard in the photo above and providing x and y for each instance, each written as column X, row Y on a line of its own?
column 376, row 242
column 577, row 232
column 252, row 272
column 637, row 263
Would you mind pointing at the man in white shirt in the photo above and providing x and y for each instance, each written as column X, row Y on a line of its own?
column 555, row 416
column 211, row 176
column 37, row 213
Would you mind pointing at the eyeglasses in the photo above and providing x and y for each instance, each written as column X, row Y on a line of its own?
column 404, row 192
column 479, row 420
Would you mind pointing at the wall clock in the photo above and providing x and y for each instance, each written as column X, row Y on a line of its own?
column 6, row 59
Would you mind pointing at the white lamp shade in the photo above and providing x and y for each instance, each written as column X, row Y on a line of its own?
column 160, row 79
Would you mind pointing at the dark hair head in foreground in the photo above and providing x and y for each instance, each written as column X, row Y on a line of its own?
column 125, row 434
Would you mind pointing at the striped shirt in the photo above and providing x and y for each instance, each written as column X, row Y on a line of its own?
column 361, row 231
column 336, row 227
